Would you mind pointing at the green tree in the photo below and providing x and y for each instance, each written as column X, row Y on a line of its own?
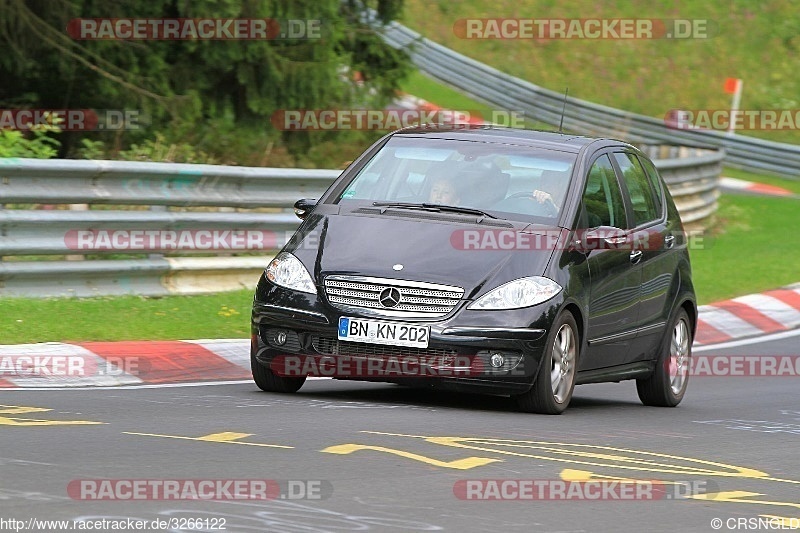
column 187, row 85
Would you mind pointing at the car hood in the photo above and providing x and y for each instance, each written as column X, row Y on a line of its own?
column 468, row 255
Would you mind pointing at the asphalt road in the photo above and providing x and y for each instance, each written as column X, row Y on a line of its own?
column 373, row 457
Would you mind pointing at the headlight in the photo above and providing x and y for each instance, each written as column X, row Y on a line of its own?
column 522, row 292
column 287, row 271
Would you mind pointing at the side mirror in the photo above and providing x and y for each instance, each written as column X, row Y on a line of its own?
column 602, row 238
column 304, row 206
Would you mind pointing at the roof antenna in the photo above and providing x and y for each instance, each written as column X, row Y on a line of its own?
column 563, row 107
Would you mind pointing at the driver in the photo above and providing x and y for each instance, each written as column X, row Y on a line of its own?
column 552, row 182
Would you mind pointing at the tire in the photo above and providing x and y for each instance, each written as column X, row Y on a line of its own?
column 269, row 381
column 555, row 381
column 667, row 385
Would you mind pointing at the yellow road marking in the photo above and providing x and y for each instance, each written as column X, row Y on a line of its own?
column 20, row 410
column 28, row 422
column 458, row 464
column 594, row 455
column 570, row 474
column 741, row 496
column 221, row 438
column 227, row 436
column 733, row 496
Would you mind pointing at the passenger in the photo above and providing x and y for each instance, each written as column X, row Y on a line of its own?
column 444, row 191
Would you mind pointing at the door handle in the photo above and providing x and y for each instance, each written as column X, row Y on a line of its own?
column 616, row 240
column 669, row 241
column 636, row 256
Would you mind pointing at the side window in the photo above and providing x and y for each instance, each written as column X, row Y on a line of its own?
column 655, row 180
column 639, row 188
column 602, row 199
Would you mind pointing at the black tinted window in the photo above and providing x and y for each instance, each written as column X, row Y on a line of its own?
column 655, row 181
column 639, row 188
column 602, row 199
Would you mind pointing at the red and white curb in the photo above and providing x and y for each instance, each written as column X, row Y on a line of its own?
column 162, row 363
column 736, row 184
column 749, row 316
column 109, row 364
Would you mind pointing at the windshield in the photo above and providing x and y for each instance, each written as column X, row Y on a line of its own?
column 505, row 180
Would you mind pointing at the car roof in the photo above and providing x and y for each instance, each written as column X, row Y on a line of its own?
column 498, row 134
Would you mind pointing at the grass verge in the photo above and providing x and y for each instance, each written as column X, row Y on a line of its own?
column 117, row 318
column 425, row 87
column 754, row 248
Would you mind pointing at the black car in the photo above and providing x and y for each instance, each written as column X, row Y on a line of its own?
column 484, row 259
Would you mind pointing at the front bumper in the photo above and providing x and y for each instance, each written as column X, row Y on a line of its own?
column 296, row 334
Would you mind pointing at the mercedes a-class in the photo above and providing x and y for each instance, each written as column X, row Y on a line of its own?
column 484, row 259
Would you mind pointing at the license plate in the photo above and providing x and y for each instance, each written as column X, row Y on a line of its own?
column 378, row 332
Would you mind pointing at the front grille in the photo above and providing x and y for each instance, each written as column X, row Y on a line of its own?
column 417, row 299
column 331, row 346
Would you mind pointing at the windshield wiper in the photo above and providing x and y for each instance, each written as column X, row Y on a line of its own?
column 437, row 207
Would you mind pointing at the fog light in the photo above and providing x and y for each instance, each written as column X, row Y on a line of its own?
column 280, row 338
column 497, row 360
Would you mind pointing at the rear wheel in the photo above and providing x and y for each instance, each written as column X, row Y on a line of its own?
column 269, row 381
column 552, row 389
column 667, row 385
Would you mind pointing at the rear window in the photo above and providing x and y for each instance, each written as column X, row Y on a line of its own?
column 655, row 181
column 639, row 188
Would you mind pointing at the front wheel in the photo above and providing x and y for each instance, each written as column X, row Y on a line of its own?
column 269, row 381
column 667, row 384
column 552, row 389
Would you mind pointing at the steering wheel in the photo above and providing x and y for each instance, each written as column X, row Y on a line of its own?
column 548, row 204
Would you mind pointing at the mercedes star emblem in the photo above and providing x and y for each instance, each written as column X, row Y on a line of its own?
column 389, row 297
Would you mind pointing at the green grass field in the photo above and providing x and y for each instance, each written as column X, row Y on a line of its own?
column 755, row 41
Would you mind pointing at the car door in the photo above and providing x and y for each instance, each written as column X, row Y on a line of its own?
column 654, row 240
column 613, row 295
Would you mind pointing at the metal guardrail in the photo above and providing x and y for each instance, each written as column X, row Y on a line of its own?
column 139, row 183
column 691, row 175
column 58, row 232
column 514, row 94
column 114, row 187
